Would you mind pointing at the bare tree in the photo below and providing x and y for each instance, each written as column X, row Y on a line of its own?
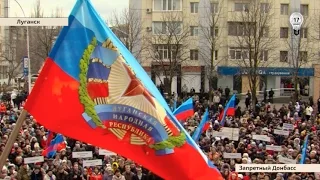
column 210, row 15
column 169, row 46
column 301, row 53
column 16, row 49
column 42, row 38
column 254, row 41
column 128, row 26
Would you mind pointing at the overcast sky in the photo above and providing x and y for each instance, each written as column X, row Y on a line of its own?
column 104, row 7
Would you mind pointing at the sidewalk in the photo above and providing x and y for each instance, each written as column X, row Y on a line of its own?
column 278, row 105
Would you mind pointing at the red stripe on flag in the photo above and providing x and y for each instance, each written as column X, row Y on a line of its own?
column 230, row 111
column 183, row 116
column 206, row 127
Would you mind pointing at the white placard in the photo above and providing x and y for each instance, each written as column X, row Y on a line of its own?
column 218, row 134
column 232, row 155
column 281, row 132
column 230, row 133
column 261, row 138
column 106, row 152
column 288, row 126
column 82, row 154
column 287, row 160
column 95, row 162
column 31, row 160
column 274, row 148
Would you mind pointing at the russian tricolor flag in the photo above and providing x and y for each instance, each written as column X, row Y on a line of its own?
column 229, row 110
column 185, row 110
column 55, row 145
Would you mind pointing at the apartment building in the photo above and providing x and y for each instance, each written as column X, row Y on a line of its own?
column 229, row 59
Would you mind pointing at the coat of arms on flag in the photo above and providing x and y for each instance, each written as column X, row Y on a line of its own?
column 114, row 99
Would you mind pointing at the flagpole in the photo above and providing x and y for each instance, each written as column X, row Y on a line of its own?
column 12, row 138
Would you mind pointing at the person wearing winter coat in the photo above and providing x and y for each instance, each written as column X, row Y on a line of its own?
column 118, row 176
column 50, row 176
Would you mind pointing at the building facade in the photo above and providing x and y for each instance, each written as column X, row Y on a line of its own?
column 228, row 61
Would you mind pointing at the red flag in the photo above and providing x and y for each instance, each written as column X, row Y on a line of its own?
column 92, row 89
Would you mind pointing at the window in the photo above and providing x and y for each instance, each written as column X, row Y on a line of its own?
column 303, row 56
column 304, row 9
column 166, row 52
column 304, row 33
column 214, row 8
column 194, row 7
column 194, row 30
column 194, row 54
column 264, row 55
column 240, row 29
column 216, row 55
column 283, row 56
column 174, row 28
column 214, row 31
column 159, row 28
column 3, row 71
column 167, row 28
column 284, row 9
column 238, row 53
column 167, row 5
column 264, row 7
column 284, row 32
column 241, row 6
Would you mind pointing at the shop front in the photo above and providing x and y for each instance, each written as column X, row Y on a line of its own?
column 278, row 78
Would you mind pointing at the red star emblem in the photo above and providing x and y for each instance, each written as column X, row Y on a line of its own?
column 136, row 88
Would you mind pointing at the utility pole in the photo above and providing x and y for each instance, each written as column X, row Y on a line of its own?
column 296, row 20
column 295, row 38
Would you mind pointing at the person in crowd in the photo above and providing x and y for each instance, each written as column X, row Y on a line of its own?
column 118, row 175
column 227, row 92
column 263, row 120
column 271, row 94
column 139, row 175
column 309, row 111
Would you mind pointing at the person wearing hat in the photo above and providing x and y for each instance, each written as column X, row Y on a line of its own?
column 108, row 173
column 115, row 166
column 37, row 173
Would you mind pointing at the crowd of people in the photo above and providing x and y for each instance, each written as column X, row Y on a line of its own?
column 262, row 119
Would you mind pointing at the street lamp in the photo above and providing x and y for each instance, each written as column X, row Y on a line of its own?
column 28, row 50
